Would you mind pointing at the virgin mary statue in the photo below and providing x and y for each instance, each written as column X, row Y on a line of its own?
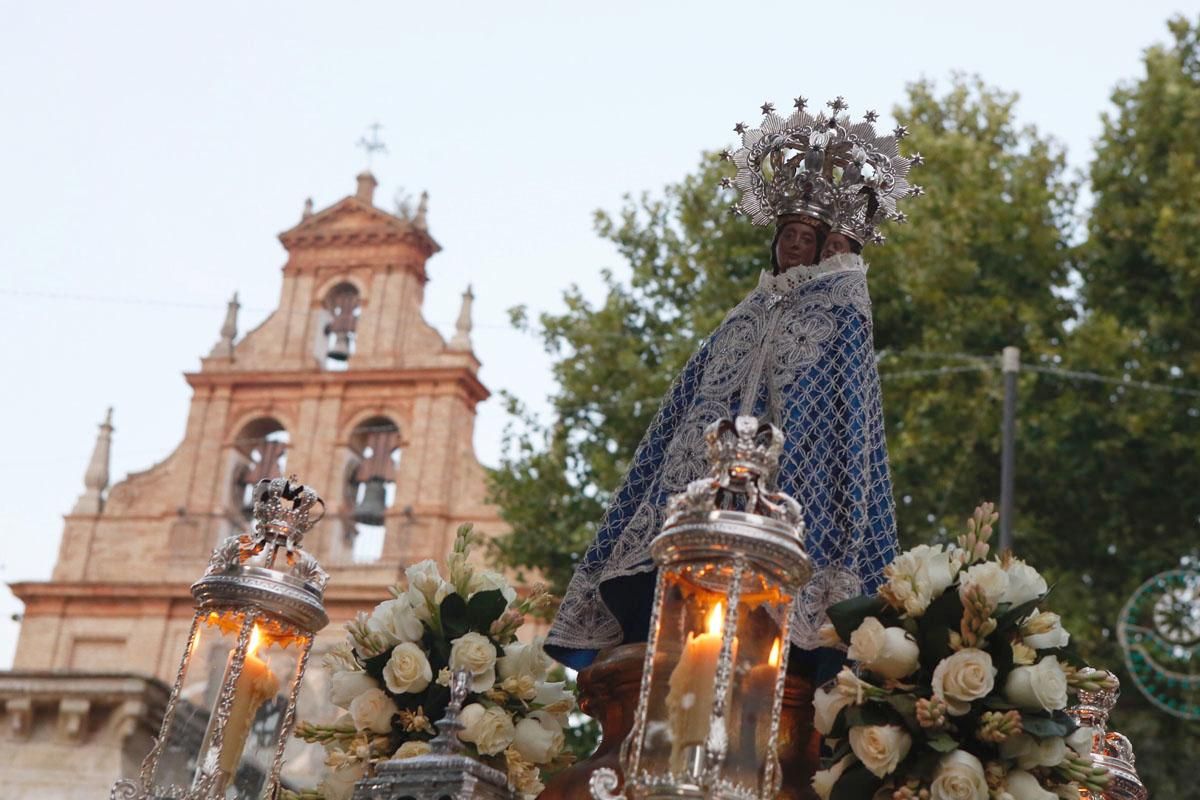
column 797, row 352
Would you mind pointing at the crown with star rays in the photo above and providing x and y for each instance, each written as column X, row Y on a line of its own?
column 824, row 167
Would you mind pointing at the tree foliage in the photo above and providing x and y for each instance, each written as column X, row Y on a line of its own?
column 1106, row 468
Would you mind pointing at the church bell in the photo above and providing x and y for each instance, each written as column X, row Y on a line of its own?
column 340, row 350
column 370, row 510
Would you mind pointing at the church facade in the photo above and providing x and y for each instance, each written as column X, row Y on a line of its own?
column 345, row 386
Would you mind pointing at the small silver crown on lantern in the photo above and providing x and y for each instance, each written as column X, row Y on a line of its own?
column 743, row 455
column 825, row 167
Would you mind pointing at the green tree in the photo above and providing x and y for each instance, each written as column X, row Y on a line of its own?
column 1118, row 462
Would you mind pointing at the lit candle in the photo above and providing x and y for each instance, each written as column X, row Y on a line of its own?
column 254, row 686
column 758, row 703
column 690, row 694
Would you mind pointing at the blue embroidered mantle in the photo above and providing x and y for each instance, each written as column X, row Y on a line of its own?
column 797, row 352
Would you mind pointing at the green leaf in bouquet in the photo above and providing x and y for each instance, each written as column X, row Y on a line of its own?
column 484, row 608
column 841, row 751
column 1067, row 654
column 1044, row 726
column 870, row 713
column 943, row 616
column 856, row 783
column 1000, row 649
column 906, row 706
column 924, row 764
column 840, row 727
column 847, row 615
column 942, row 743
column 995, row 702
column 374, row 665
column 454, row 616
column 1010, row 616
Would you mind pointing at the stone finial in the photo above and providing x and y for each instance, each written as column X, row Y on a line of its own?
column 422, row 207
column 224, row 348
column 366, row 187
column 462, row 328
column 307, row 208
column 95, row 480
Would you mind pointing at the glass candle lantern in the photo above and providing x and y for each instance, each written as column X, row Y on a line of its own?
column 730, row 563
column 258, row 608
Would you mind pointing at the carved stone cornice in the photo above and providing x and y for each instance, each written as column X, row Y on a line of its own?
column 80, row 702
column 463, row 379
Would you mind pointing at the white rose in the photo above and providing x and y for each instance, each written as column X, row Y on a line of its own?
column 396, row 621
column 412, row 749
column 489, row 729
column 538, row 738
column 345, row 685
column 487, row 580
column 823, row 782
column 989, row 576
column 1043, row 630
column 475, row 653
column 426, row 587
column 918, row 576
column 959, row 776
column 827, row 704
column 1043, row 686
column 407, row 670
column 554, row 699
column 373, row 711
column 1029, row 752
column 339, row 783
column 1082, row 739
column 889, row 652
column 1023, row 786
column 524, row 659
column 880, row 747
column 963, row 677
column 1024, row 583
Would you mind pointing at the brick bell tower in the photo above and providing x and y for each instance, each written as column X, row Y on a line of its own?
column 344, row 385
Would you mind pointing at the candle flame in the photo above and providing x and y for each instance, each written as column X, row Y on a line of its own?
column 773, row 658
column 715, row 619
column 255, row 640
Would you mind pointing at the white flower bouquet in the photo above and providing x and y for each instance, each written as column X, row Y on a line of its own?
column 392, row 678
column 961, row 684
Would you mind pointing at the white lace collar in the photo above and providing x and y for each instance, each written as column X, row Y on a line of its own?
column 798, row 276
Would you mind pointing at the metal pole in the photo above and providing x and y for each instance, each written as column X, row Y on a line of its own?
column 1010, row 365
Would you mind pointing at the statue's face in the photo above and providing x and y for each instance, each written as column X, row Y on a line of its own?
column 836, row 244
column 797, row 245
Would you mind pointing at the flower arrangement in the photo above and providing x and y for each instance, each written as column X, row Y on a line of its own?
column 961, row 684
column 392, row 677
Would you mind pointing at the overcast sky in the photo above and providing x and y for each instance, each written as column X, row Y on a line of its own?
column 150, row 153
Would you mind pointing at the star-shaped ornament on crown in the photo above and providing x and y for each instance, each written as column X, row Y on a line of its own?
column 740, row 128
column 767, row 108
column 871, row 116
column 800, row 103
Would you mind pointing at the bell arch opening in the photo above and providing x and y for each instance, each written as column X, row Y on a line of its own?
column 260, row 452
column 371, row 485
column 342, row 306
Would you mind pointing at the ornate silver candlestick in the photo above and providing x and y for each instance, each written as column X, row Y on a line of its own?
column 258, row 607
column 730, row 562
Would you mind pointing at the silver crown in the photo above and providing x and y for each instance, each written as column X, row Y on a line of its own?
column 825, row 167
column 742, row 455
column 284, row 511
